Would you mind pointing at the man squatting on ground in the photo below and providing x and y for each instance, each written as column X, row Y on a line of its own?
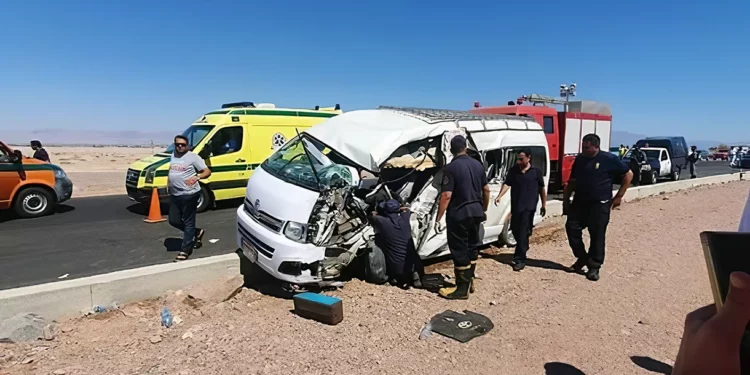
column 465, row 197
column 393, row 237
column 591, row 179
column 526, row 184
column 186, row 169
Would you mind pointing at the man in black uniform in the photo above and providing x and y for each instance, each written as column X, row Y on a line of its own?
column 591, row 179
column 465, row 197
column 526, row 184
column 393, row 237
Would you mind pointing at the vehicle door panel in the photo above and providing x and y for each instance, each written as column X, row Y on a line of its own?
column 665, row 165
column 228, row 161
column 10, row 177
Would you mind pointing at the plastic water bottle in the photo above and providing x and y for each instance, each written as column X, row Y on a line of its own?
column 166, row 317
column 426, row 331
column 99, row 309
column 745, row 220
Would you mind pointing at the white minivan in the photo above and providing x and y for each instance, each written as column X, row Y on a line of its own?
column 305, row 215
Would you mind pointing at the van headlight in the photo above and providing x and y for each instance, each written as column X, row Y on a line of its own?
column 296, row 231
column 60, row 174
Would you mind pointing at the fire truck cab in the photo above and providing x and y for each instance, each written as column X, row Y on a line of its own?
column 564, row 129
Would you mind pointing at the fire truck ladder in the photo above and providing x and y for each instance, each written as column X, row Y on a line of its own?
column 540, row 99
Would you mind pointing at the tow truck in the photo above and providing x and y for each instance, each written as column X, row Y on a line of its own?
column 564, row 129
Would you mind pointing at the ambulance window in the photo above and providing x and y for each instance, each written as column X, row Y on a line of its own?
column 549, row 124
column 226, row 141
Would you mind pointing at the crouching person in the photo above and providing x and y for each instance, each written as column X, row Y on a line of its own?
column 393, row 237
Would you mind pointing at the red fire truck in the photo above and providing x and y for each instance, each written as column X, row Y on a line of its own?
column 564, row 129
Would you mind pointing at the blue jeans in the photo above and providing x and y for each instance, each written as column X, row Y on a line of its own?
column 182, row 209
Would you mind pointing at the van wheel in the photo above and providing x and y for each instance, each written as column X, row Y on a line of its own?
column 205, row 201
column 675, row 174
column 374, row 266
column 33, row 202
column 507, row 236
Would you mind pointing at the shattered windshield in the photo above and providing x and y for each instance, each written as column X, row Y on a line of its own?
column 292, row 164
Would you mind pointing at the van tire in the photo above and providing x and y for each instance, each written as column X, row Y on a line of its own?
column 206, row 199
column 375, row 266
column 507, row 235
column 33, row 202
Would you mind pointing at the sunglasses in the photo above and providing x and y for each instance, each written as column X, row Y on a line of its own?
column 180, row 144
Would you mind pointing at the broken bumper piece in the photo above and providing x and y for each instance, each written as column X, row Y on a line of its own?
column 281, row 257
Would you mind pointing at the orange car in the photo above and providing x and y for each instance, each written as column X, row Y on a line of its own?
column 31, row 187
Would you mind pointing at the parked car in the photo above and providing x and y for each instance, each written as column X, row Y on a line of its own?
column 658, row 164
column 677, row 148
column 305, row 216
column 31, row 187
column 742, row 161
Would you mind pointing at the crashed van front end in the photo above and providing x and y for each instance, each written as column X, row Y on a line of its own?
column 302, row 225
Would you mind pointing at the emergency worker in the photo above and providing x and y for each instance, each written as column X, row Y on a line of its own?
column 591, row 179
column 464, row 200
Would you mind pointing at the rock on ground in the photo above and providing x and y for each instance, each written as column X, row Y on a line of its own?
column 22, row 327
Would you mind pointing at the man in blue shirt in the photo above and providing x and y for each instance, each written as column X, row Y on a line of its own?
column 465, row 196
column 526, row 184
column 591, row 180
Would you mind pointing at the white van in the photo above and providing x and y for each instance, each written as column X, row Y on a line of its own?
column 305, row 215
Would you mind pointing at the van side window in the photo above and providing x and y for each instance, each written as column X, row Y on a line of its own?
column 227, row 141
column 549, row 124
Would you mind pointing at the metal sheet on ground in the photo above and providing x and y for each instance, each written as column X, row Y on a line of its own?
column 462, row 327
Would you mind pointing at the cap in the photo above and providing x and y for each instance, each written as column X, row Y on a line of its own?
column 458, row 143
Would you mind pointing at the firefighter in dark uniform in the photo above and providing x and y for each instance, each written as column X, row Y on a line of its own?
column 464, row 199
column 591, row 180
column 526, row 185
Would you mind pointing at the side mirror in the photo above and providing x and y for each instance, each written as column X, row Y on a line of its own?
column 18, row 157
column 205, row 153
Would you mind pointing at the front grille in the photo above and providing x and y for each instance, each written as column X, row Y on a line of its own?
column 131, row 178
column 261, row 247
column 263, row 218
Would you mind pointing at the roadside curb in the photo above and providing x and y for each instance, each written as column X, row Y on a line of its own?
column 67, row 299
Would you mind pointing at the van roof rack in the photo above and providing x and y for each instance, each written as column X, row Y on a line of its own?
column 436, row 115
column 239, row 105
column 337, row 107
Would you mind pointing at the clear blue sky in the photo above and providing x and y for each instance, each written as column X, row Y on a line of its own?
column 664, row 67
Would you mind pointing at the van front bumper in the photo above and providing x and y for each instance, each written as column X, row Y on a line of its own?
column 281, row 257
column 63, row 189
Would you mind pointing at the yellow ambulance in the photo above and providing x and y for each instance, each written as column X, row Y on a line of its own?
column 233, row 140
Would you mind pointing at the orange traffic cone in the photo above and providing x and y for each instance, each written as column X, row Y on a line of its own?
column 154, row 211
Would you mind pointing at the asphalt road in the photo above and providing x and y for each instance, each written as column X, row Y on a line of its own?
column 90, row 236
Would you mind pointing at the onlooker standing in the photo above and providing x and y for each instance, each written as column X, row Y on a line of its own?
column 39, row 151
column 186, row 169
column 526, row 184
column 591, row 179
column 692, row 159
column 465, row 197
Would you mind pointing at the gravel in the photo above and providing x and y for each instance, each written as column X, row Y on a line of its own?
column 546, row 320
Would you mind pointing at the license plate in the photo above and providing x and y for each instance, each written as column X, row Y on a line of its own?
column 250, row 252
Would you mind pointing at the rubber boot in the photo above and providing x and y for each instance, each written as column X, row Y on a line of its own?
column 472, row 287
column 463, row 283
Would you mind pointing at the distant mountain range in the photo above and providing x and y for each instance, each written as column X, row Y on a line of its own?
column 88, row 137
column 137, row 138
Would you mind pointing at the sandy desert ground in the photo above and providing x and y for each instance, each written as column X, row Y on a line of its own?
column 546, row 321
column 95, row 170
